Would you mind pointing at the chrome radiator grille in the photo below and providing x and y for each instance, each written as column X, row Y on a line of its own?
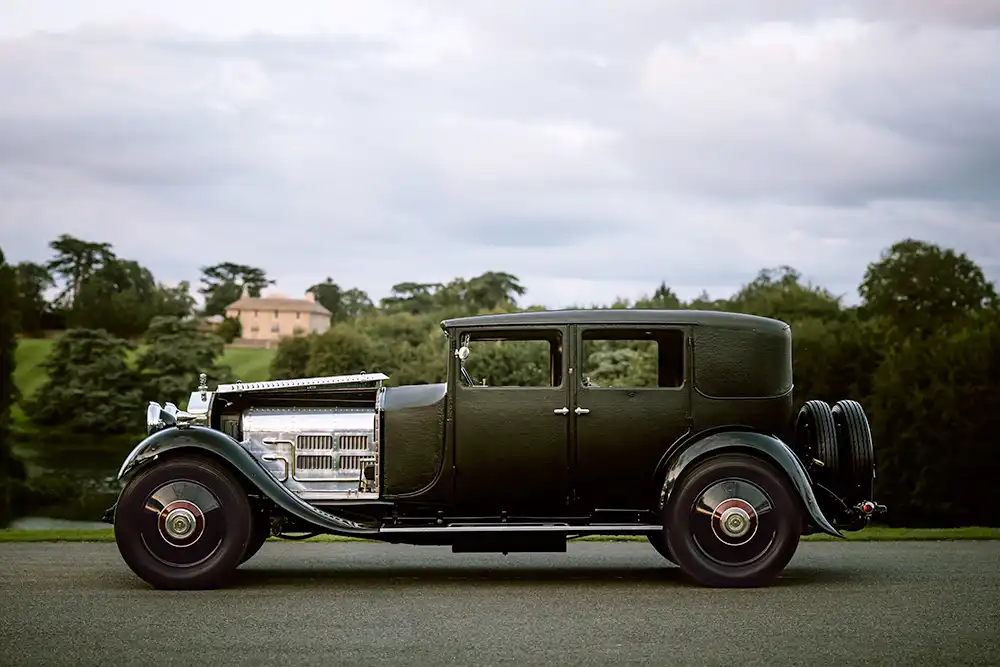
column 354, row 442
column 314, row 442
column 312, row 462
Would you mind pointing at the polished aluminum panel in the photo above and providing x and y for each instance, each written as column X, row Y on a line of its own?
column 318, row 453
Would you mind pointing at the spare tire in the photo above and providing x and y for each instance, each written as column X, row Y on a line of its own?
column 816, row 440
column 856, row 449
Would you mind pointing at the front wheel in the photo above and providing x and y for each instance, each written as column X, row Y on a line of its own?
column 184, row 523
column 734, row 521
column 261, row 531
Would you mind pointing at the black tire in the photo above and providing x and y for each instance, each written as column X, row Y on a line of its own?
column 659, row 542
column 856, row 448
column 707, row 499
column 816, row 438
column 261, row 531
column 197, row 493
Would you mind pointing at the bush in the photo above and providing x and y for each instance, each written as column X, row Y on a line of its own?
column 90, row 386
column 292, row 358
column 229, row 329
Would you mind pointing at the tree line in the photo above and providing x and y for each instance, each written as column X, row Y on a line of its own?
column 921, row 351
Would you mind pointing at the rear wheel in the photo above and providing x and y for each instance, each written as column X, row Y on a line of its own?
column 734, row 522
column 184, row 523
column 856, row 449
column 816, row 440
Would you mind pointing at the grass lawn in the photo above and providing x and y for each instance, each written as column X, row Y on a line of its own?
column 249, row 364
column 871, row 534
column 28, row 372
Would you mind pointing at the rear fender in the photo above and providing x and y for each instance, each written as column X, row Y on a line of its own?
column 751, row 442
column 223, row 446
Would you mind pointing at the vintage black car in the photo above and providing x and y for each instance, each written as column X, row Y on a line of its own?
column 695, row 446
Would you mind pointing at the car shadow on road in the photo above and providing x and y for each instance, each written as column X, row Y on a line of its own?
column 353, row 575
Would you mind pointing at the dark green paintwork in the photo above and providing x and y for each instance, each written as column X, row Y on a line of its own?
column 620, row 441
column 605, row 459
column 413, row 437
column 511, row 450
column 617, row 445
column 197, row 439
column 769, row 415
column 759, row 443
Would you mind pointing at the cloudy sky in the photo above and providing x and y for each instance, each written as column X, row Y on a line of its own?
column 593, row 149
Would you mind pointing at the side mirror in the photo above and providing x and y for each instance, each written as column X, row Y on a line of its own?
column 462, row 353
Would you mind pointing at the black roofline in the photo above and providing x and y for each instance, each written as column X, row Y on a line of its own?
column 613, row 316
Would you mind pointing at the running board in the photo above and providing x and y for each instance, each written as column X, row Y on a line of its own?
column 607, row 528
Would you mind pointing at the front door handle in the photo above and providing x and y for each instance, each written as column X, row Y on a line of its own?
column 561, row 411
column 581, row 411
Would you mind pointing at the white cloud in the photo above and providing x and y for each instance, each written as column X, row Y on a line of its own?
column 593, row 152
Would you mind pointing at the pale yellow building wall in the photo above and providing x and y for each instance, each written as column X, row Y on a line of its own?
column 276, row 324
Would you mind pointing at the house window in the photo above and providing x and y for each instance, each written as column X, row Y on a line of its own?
column 275, row 327
column 255, row 313
column 275, row 314
column 298, row 315
column 632, row 358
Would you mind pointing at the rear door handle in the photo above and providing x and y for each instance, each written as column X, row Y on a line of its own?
column 561, row 411
column 581, row 411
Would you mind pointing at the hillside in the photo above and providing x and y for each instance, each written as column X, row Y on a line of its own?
column 249, row 365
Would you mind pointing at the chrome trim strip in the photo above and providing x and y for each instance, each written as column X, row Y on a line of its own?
column 333, row 496
column 240, row 387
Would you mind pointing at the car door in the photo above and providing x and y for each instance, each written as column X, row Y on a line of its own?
column 511, row 435
column 631, row 402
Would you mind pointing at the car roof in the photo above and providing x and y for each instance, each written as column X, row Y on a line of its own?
column 612, row 316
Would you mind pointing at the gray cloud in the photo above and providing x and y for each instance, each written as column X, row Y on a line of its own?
column 592, row 152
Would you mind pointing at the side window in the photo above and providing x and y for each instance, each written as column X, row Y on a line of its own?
column 508, row 359
column 632, row 358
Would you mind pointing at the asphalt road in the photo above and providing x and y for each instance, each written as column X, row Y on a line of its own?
column 599, row 604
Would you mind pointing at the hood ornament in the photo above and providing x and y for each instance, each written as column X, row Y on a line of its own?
column 203, row 385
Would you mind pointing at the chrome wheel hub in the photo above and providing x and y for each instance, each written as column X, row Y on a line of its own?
column 735, row 522
column 180, row 523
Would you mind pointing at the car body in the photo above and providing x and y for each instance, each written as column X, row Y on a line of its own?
column 695, row 447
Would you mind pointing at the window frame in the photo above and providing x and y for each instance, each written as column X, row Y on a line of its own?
column 557, row 336
column 632, row 332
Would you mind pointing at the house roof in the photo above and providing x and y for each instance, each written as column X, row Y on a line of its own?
column 619, row 316
column 283, row 304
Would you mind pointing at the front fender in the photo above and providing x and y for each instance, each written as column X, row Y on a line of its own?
column 221, row 445
column 759, row 443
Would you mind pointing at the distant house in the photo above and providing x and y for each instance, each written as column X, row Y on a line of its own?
column 268, row 319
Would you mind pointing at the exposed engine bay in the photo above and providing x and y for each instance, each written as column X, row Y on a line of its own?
column 318, row 453
column 325, row 447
